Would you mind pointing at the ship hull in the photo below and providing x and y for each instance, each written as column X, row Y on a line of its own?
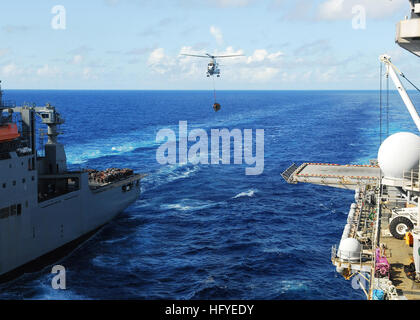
column 57, row 225
column 49, row 258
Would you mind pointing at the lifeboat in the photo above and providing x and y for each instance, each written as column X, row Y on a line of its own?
column 8, row 132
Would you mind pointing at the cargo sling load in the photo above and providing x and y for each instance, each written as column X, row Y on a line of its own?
column 46, row 209
column 380, row 243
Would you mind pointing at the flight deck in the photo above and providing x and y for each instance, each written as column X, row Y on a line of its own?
column 332, row 175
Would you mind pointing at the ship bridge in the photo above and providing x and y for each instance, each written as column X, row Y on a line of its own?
column 348, row 176
column 408, row 30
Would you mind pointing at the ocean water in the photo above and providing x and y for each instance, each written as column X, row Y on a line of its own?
column 210, row 231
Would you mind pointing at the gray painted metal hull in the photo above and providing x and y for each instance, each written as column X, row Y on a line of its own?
column 45, row 226
column 43, row 206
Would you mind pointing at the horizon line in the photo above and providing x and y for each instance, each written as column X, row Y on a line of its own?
column 210, row 90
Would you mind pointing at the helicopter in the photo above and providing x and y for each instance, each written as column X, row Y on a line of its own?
column 213, row 66
column 213, row 69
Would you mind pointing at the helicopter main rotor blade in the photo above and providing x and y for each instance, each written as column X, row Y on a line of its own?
column 228, row 56
column 193, row 55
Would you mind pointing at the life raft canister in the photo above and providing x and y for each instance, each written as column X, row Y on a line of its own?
column 9, row 132
column 216, row 106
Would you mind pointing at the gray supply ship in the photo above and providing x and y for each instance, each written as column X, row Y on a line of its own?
column 379, row 250
column 45, row 209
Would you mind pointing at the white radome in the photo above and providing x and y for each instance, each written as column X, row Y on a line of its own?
column 349, row 249
column 399, row 153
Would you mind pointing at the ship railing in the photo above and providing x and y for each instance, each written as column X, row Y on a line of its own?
column 78, row 168
column 411, row 180
column 333, row 252
column 352, row 267
column 4, row 155
column 288, row 173
column 8, row 104
column 364, row 259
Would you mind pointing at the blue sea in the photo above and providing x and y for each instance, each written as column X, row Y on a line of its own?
column 210, row 231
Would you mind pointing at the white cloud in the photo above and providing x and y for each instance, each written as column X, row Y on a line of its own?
column 316, row 47
column 231, row 3
column 156, row 56
column 262, row 66
column 307, row 75
column 77, row 59
column 46, row 70
column 342, row 9
column 327, row 75
column 217, row 34
column 260, row 55
column 331, row 9
column 275, row 56
column 88, row 73
column 4, row 52
column 263, row 74
column 112, row 2
column 10, row 69
column 289, row 77
column 191, row 67
column 185, row 3
column 159, row 62
column 82, row 50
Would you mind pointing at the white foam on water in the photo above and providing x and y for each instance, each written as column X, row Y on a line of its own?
column 209, row 279
column 176, row 206
column 188, row 205
column 115, row 240
column 167, row 174
column 184, row 174
column 81, row 153
column 46, row 292
column 272, row 250
column 293, row 285
column 249, row 193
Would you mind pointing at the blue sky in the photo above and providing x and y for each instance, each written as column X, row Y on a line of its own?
column 135, row 44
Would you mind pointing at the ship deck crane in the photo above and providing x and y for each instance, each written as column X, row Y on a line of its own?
column 394, row 72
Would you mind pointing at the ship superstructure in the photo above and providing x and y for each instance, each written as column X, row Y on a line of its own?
column 44, row 207
column 380, row 243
